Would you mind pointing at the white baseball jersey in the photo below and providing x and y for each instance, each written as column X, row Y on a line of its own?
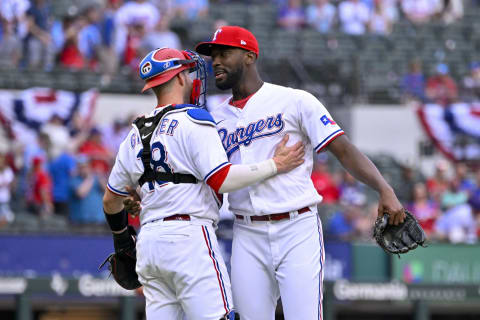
column 251, row 135
column 185, row 141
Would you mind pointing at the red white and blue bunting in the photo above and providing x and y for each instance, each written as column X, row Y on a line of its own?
column 454, row 130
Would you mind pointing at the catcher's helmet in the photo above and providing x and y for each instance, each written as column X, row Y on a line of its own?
column 161, row 65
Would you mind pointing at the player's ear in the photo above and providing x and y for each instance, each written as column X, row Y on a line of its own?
column 180, row 77
column 250, row 57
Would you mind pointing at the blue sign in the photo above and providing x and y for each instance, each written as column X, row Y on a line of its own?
column 338, row 260
column 36, row 255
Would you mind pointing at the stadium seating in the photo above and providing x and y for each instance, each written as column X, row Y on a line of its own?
column 383, row 59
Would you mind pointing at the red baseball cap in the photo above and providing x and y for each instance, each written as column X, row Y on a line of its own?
column 232, row 36
column 151, row 66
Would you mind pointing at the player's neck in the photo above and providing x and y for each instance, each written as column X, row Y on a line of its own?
column 170, row 98
column 247, row 87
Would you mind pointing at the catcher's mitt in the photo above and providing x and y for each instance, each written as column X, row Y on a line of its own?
column 400, row 238
column 122, row 262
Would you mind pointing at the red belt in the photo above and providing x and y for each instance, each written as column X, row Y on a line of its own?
column 182, row 217
column 273, row 216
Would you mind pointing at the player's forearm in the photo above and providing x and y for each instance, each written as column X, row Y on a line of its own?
column 112, row 203
column 242, row 175
column 358, row 165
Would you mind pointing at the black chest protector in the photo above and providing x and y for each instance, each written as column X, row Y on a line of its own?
column 145, row 127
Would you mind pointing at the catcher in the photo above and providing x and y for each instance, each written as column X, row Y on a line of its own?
column 177, row 159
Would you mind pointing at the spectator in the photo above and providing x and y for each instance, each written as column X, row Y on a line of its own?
column 324, row 182
column 354, row 16
column 114, row 135
column 36, row 149
column 91, row 45
column 456, row 225
column 423, row 208
column 441, row 88
column 406, row 185
column 461, row 174
column 6, row 181
column 108, row 22
column 131, row 17
column 413, row 83
column 321, row 15
column 190, row 9
column 96, row 151
column 39, row 196
column 474, row 198
column 10, row 46
column 351, row 190
column 58, row 134
column 160, row 37
column 421, row 11
column 452, row 11
column 40, row 47
column 87, row 190
column 14, row 12
column 108, row 29
column 471, row 84
column 381, row 20
column 342, row 225
column 132, row 56
column 79, row 130
column 292, row 16
column 439, row 183
column 61, row 169
column 454, row 196
column 66, row 42
column 89, row 37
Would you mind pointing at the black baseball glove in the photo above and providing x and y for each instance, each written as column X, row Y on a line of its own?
column 398, row 238
column 122, row 261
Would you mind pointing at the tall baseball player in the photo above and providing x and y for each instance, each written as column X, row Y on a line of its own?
column 277, row 237
column 175, row 155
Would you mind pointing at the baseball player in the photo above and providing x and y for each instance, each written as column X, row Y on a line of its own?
column 277, row 237
column 176, row 157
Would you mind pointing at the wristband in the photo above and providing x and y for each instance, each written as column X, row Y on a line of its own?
column 117, row 221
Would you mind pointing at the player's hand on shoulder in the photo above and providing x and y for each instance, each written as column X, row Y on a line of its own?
column 389, row 203
column 132, row 202
column 288, row 158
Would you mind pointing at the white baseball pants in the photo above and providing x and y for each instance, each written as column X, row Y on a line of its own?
column 182, row 271
column 278, row 259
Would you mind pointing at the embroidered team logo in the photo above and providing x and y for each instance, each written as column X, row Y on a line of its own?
column 147, row 67
column 326, row 120
column 245, row 135
column 216, row 34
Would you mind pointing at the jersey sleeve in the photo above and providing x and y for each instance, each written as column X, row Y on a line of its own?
column 316, row 122
column 119, row 176
column 207, row 153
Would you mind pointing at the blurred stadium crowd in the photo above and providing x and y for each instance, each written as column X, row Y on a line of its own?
column 58, row 180
column 99, row 42
column 447, row 204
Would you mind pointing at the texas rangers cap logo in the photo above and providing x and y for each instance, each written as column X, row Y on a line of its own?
column 215, row 34
column 147, row 67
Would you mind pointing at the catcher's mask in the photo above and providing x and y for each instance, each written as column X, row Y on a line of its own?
column 161, row 65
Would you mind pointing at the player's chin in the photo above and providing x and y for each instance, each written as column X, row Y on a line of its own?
column 222, row 84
